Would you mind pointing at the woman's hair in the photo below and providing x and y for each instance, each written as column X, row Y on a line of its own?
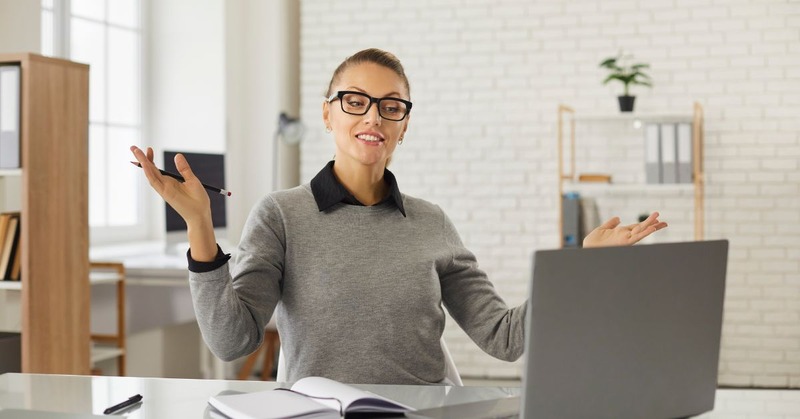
column 370, row 55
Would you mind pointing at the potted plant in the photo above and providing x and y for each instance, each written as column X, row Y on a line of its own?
column 628, row 74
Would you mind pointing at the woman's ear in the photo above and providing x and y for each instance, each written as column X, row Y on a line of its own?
column 326, row 114
column 405, row 125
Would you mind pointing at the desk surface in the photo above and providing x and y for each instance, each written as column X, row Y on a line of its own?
column 169, row 397
column 184, row 398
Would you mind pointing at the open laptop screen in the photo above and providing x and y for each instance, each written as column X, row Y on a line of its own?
column 625, row 332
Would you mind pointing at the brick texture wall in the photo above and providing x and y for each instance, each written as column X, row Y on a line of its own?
column 487, row 77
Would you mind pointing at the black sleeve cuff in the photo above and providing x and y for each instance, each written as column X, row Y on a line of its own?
column 200, row 267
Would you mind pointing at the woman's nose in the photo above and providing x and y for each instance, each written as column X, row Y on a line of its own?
column 373, row 115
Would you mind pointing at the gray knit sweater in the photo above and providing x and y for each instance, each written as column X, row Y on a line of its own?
column 358, row 291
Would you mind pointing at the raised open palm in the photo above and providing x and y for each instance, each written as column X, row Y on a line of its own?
column 611, row 233
column 188, row 198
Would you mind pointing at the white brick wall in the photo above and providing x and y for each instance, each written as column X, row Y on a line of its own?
column 486, row 79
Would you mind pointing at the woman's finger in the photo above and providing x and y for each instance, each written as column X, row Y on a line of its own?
column 183, row 168
column 150, row 170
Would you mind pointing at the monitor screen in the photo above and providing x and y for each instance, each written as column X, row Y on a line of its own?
column 210, row 169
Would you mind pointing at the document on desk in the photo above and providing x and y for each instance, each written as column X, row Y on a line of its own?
column 315, row 397
column 38, row 414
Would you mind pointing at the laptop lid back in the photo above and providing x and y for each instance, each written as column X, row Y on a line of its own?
column 625, row 332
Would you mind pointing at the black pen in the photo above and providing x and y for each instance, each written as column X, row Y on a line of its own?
column 181, row 179
column 130, row 402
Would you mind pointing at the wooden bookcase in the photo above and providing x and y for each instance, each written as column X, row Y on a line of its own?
column 54, row 126
column 568, row 177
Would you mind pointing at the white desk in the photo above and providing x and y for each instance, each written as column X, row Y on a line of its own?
column 179, row 398
column 157, row 293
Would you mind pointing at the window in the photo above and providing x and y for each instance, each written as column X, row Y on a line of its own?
column 107, row 35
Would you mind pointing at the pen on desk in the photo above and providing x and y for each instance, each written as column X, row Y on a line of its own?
column 181, row 179
column 130, row 402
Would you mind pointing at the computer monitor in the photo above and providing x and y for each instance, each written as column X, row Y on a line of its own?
column 210, row 169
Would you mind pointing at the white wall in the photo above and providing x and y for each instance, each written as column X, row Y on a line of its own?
column 486, row 80
column 219, row 77
column 20, row 26
column 185, row 83
column 262, row 79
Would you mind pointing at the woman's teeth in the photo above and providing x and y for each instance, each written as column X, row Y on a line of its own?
column 370, row 138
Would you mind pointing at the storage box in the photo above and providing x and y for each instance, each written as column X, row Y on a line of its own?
column 10, row 352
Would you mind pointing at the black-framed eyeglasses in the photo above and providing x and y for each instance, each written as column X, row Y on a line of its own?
column 358, row 103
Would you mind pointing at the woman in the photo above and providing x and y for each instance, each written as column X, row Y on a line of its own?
column 357, row 271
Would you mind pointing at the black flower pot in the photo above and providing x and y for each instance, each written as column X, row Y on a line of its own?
column 626, row 103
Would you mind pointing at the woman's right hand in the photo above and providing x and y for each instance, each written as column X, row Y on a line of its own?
column 189, row 198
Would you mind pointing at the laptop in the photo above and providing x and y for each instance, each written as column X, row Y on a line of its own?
column 618, row 332
column 625, row 332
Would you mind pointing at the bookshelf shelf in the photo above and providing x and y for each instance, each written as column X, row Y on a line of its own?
column 644, row 118
column 10, row 172
column 598, row 187
column 11, row 285
column 104, row 353
column 94, row 279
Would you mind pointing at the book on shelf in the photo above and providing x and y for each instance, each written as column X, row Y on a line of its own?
column 594, row 177
column 11, row 248
column 16, row 265
column 316, row 397
column 9, row 244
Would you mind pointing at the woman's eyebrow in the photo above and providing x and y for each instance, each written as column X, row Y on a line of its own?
column 365, row 92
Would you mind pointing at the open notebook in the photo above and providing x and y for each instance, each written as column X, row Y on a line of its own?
column 315, row 397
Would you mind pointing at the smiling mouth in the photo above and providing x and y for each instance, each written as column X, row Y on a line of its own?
column 369, row 138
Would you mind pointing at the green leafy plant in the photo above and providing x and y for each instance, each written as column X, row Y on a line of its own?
column 626, row 73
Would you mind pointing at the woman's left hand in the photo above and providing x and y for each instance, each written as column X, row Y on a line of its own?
column 613, row 234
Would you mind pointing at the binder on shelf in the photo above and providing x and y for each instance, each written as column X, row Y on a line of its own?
column 571, row 235
column 652, row 153
column 669, row 154
column 9, row 116
column 685, row 149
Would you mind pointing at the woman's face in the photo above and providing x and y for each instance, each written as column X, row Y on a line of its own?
column 365, row 139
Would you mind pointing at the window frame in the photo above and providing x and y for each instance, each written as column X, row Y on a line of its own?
column 61, row 32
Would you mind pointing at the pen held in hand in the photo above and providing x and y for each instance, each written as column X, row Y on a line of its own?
column 127, row 403
column 181, row 179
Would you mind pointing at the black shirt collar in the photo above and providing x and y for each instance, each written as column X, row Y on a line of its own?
column 328, row 191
